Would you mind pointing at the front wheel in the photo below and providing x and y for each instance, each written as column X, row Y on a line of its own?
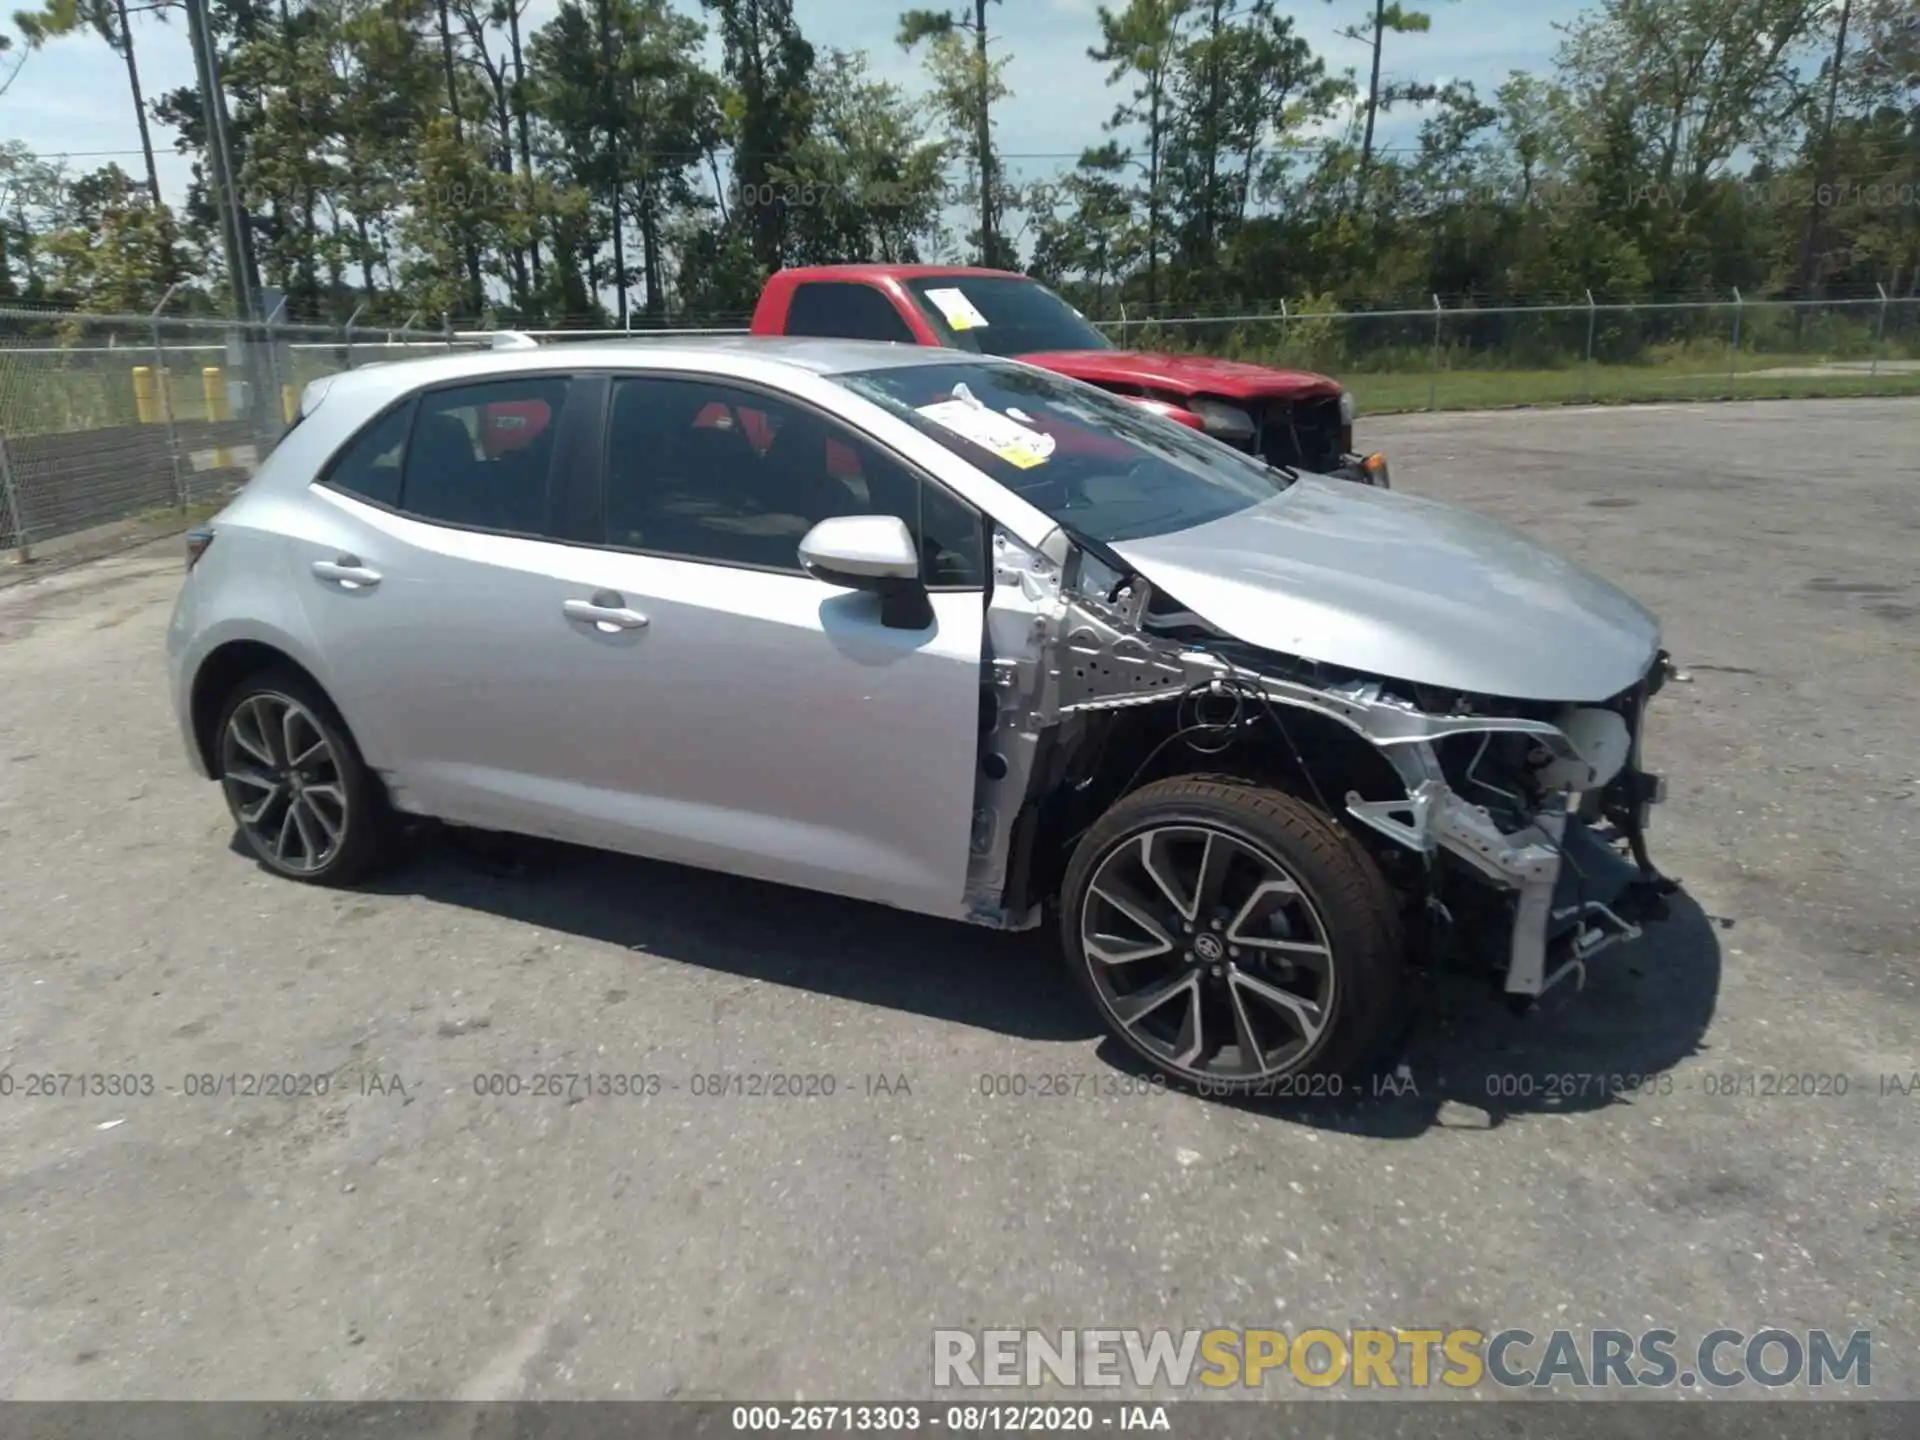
column 1232, row 936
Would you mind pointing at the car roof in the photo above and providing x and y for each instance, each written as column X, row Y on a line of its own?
column 896, row 272
column 744, row 356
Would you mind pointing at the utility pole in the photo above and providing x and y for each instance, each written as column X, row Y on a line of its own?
column 139, row 104
column 242, row 222
column 236, row 241
column 248, row 350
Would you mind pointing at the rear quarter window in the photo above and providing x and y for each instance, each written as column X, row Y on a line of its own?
column 369, row 466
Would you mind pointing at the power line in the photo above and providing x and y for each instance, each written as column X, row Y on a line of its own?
column 82, row 154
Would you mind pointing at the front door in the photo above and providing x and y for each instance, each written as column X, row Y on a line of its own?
column 728, row 710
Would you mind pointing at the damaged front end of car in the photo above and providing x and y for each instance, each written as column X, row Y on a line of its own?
column 1513, row 824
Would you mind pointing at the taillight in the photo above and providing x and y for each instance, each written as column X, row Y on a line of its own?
column 198, row 539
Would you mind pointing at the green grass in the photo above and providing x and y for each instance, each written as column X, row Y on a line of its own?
column 42, row 397
column 1610, row 385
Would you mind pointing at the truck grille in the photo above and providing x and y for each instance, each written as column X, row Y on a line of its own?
column 1304, row 433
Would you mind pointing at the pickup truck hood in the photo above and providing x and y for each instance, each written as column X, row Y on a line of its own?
column 1184, row 374
column 1405, row 589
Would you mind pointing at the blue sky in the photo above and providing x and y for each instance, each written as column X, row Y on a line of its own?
column 72, row 96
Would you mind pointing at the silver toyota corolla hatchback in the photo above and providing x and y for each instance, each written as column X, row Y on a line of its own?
column 943, row 632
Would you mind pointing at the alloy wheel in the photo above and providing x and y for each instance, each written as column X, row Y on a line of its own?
column 284, row 782
column 1208, row 953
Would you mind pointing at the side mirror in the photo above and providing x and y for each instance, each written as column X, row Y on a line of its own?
column 874, row 553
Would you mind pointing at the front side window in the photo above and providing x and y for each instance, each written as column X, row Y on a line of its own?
column 1099, row 465
column 1003, row 315
column 705, row 471
column 479, row 455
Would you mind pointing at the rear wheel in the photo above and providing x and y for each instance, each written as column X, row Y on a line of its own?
column 303, row 799
column 1232, row 936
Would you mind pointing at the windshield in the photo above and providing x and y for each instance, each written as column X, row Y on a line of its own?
column 1101, row 466
column 1002, row 315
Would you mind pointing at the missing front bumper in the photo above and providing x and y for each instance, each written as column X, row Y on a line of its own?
column 1574, row 894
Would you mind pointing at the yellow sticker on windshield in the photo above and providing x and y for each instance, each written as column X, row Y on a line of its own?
column 1006, row 437
column 960, row 312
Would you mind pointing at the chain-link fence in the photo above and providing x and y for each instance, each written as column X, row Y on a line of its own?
column 1455, row 356
column 105, row 418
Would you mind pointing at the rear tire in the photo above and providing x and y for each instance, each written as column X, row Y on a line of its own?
column 305, row 803
column 1234, row 938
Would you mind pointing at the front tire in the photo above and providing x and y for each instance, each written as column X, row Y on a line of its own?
column 1232, row 936
column 305, row 803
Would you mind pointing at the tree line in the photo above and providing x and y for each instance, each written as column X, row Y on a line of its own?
column 445, row 158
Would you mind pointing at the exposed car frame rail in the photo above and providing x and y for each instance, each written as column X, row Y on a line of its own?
column 1067, row 640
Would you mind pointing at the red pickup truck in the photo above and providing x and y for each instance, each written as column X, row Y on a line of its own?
column 1289, row 417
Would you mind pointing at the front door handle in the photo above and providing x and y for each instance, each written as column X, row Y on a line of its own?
column 607, row 612
column 347, row 572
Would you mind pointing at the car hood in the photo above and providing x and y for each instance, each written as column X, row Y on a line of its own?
column 1405, row 589
column 1184, row 374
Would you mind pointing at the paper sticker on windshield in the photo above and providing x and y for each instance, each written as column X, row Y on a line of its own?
column 961, row 313
column 990, row 430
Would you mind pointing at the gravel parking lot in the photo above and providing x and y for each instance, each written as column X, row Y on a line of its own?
column 404, row 1236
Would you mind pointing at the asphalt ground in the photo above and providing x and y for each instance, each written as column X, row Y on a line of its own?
column 403, row 1235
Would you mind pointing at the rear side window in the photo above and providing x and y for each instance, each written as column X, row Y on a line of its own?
column 848, row 312
column 479, row 455
column 369, row 467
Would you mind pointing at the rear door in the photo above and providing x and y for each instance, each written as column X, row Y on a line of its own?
column 758, row 720
column 432, row 572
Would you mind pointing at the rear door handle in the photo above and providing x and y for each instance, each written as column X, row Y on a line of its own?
column 607, row 612
column 347, row 572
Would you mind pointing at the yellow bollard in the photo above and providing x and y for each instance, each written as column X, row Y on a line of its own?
column 289, row 402
column 143, row 408
column 213, row 385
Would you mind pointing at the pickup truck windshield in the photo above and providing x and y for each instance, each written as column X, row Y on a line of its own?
column 1002, row 315
column 1101, row 466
